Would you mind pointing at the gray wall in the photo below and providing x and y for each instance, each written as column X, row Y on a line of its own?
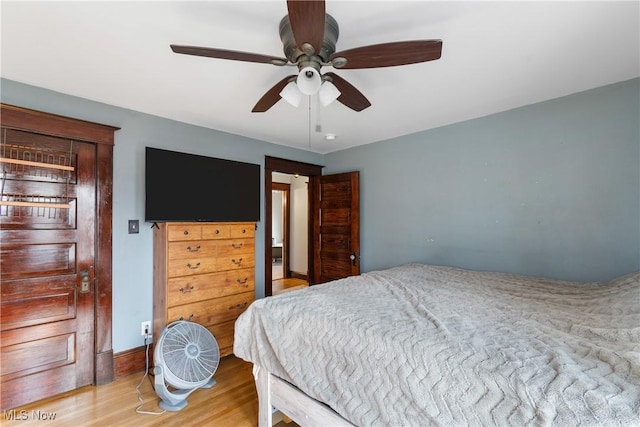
column 132, row 253
column 551, row 189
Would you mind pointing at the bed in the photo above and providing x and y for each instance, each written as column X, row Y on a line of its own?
column 424, row 345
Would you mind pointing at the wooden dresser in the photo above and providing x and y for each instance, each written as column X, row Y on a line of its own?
column 203, row 272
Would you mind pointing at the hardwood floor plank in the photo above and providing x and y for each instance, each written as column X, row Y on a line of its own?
column 231, row 402
column 285, row 285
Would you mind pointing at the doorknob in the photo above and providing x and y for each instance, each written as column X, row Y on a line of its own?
column 85, row 281
column 353, row 257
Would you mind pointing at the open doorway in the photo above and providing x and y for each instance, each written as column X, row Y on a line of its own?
column 296, row 252
column 289, row 232
column 333, row 224
column 280, row 228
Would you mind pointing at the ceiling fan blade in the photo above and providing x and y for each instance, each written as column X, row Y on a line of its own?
column 307, row 20
column 349, row 95
column 389, row 54
column 228, row 54
column 272, row 96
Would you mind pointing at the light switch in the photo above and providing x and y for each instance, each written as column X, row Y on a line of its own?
column 134, row 226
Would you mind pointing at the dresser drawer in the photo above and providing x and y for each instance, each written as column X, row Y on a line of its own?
column 176, row 232
column 235, row 246
column 234, row 262
column 216, row 231
column 188, row 289
column 211, row 312
column 190, row 266
column 190, row 249
column 243, row 231
column 223, row 332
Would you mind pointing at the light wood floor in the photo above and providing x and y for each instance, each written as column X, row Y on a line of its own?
column 285, row 285
column 231, row 402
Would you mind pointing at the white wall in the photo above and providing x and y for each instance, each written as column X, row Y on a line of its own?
column 298, row 216
column 277, row 219
column 299, row 225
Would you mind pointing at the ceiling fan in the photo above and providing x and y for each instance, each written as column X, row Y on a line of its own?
column 309, row 37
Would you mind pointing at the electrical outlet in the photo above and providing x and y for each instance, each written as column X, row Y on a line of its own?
column 145, row 329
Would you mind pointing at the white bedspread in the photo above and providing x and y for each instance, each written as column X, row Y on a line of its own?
column 423, row 345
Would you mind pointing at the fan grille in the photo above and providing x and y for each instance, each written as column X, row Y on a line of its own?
column 190, row 353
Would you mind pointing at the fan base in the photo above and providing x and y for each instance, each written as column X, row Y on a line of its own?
column 209, row 383
column 167, row 406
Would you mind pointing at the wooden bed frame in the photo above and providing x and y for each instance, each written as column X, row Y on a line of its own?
column 289, row 401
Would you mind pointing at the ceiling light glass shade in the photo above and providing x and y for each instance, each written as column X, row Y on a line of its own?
column 291, row 94
column 328, row 93
column 309, row 80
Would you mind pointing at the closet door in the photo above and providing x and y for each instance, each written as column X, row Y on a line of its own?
column 47, row 238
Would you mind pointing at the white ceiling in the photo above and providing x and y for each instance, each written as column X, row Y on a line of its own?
column 496, row 56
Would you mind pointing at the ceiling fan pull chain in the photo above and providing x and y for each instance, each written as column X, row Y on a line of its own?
column 309, row 122
column 318, row 115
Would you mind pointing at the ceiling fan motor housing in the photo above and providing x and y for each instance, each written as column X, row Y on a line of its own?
column 293, row 52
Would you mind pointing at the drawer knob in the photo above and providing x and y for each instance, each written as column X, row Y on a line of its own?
column 189, row 319
column 236, row 261
column 244, row 231
column 217, row 231
column 186, row 232
column 237, row 245
column 196, row 249
column 188, row 290
column 243, row 282
column 193, row 267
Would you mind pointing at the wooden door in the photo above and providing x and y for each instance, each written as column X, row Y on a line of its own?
column 336, row 226
column 48, row 220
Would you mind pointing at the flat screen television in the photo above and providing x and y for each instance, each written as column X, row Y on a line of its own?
column 188, row 187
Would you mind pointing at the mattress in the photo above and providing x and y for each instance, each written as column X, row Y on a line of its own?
column 428, row 345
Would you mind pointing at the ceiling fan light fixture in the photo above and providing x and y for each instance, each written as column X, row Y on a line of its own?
column 309, row 80
column 291, row 94
column 328, row 93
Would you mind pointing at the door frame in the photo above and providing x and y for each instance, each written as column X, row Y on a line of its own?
column 102, row 136
column 275, row 164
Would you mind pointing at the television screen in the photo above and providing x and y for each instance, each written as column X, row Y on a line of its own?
column 188, row 187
